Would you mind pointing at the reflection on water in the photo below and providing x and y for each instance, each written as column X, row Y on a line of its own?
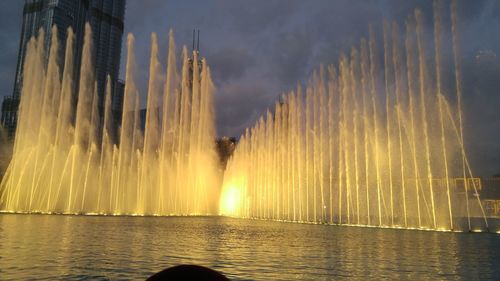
column 83, row 248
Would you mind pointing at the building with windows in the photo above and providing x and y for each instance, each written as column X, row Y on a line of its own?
column 106, row 19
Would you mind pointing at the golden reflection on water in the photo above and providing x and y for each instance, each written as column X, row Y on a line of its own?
column 96, row 247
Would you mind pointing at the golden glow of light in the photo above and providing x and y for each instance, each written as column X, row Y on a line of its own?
column 230, row 201
column 442, row 229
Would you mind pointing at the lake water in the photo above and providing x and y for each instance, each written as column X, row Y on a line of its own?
column 41, row 247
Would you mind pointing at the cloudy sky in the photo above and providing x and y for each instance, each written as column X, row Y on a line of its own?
column 258, row 49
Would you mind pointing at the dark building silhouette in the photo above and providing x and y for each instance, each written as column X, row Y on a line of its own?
column 8, row 118
column 106, row 19
column 225, row 147
column 116, row 107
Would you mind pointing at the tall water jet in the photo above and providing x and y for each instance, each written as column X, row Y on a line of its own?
column 369, row 144
column 72, row 162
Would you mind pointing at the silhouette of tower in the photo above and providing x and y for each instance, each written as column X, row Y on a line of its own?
column 106, row 19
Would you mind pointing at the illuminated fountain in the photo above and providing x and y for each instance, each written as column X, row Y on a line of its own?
column 63, row 162
column 364, row 143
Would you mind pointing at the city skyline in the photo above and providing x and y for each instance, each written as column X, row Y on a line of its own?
column 297, row 44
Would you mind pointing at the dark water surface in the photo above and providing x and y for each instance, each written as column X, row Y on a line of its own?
column 41, row 247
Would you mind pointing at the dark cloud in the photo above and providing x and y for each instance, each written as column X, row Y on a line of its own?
column 293, row 51
column 229, row 63
column 257, row 17
column 258, row 49
column 240, row 104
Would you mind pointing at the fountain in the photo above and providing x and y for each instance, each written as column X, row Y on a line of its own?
column 67, row 162
column 363, row 143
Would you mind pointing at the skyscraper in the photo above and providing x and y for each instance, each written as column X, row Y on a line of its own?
column 106, row 19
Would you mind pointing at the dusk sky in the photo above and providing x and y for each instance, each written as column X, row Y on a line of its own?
column 259, row 49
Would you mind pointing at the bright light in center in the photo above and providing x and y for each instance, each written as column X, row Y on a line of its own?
column 230, row 200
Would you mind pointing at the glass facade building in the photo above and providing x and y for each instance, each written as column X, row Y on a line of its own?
column 106, row 19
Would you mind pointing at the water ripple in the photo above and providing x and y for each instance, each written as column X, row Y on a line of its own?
column 44, row 247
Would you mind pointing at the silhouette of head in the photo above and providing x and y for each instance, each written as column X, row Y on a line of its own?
column 188, row 272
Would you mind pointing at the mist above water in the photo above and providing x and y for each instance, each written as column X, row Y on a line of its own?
column 67, row 160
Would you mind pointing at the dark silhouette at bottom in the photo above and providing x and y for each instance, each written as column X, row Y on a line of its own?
column 188, row 272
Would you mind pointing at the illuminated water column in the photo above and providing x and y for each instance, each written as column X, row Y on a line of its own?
column 373, row 142
column 65, row 159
